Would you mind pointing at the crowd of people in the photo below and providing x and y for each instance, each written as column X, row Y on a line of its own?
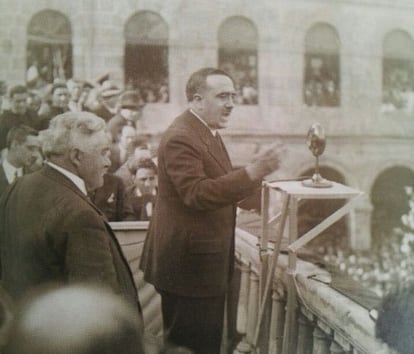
column 398, row 93
column 321, row 87
column 130, row 185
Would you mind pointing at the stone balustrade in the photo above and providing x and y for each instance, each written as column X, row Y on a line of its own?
column 326, row 322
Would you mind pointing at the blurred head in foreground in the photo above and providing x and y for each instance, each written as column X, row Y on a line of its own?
column 77, row 319
column 395, row 322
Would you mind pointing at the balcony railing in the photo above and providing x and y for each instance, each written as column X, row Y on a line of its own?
column 327, row 321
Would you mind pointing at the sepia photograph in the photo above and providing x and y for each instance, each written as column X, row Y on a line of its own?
column 206, row 177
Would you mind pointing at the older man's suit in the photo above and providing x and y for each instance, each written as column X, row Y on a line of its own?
column 3, row 180
column 189, row 250
column 51, row 232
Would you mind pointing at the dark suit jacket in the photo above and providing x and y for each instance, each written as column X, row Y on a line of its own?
column 3, row 180
column 189, row 249
column 139, row 203
column 111, row 200
column 8, row 120
column 51, row 232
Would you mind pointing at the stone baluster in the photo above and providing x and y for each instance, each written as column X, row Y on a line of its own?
column 343, row 343
column 305, row 330
column 253, row 307
column 277, row 320
column 243, row 309
column 321, row 341
column 335, row 348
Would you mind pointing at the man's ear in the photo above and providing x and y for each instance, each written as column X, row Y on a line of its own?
column 13, row 145
column 75, row 156
column 197, row 100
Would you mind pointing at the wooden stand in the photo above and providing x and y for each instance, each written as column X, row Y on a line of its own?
column 292, row 192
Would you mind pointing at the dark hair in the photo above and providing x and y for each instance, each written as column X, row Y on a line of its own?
column 197, row 80
column 17, row 90
column 19, row 134
column 396, row 320
column 147, row 163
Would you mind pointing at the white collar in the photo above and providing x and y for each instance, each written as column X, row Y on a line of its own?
column 213, row 131
column 139, row 194
column 10, row 170
column 74, row 178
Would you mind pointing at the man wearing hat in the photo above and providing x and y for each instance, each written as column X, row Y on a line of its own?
column 128, row 112
column 102, row 100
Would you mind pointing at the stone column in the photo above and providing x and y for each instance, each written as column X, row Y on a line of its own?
column 243, row 309
column 253, row 309
column 321, row 342
column 336, row 348
column 277, row 321
column 305, row 339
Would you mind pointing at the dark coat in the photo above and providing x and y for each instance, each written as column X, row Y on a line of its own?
column 45, row 118
column 3, row 180
column 139, row 203
column 8, row 120
column 189, row 249
column 111, row 200
column 51, row 232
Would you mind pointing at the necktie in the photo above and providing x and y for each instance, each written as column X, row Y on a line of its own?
column 16, row 174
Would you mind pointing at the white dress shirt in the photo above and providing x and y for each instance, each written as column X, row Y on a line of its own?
column 213, row 131
column 10, row 171
column 74, row 178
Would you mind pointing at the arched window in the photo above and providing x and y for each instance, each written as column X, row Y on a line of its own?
column 390, row 201
column 49, row 48
column 398, row 72
column 322, row 75
column 237, row 54
column 146, row 56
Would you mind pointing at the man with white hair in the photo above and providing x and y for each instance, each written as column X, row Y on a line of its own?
column 49, row 230
column 76, row 319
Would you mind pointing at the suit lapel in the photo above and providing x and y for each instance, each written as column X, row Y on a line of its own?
column 219, row 153
column 63, row 180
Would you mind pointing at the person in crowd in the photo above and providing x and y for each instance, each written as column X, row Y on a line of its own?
column 103, row 99
column 129, row 110
column 17, row 114
column 124, row 148
column 188, row 254
column 3, row 93
column 111, row 200
column 75, row 319
column 22, row 151
column 128, row 170
column 58, row 104
column 34, row 102
column 75, row 90
column 143, row 193
column 87, row 88
column 395, row 321
column 49, row 229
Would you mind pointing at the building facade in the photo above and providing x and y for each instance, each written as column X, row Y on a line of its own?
column 346, row 64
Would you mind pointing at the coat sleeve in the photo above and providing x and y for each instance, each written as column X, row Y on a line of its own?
column 198, row 180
